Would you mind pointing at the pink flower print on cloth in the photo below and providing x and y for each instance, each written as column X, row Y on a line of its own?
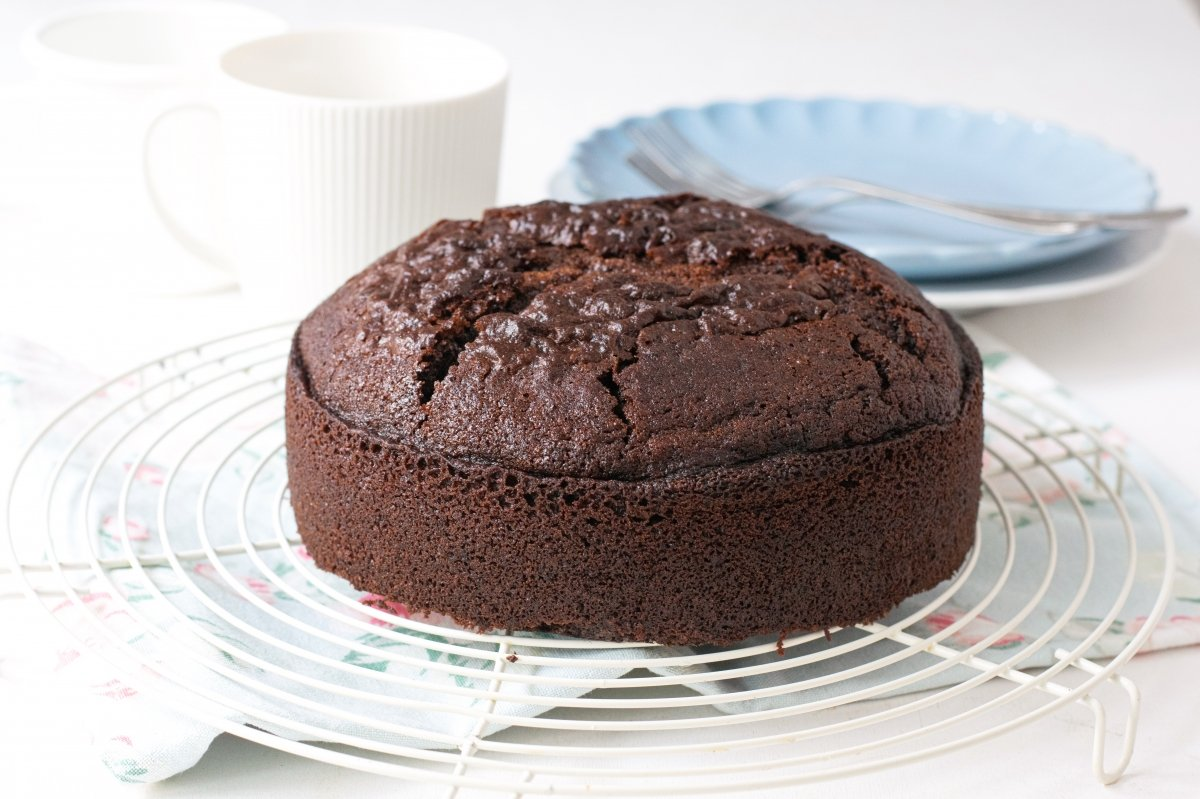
column 376, row 602
column 399, row 609
column 113, row 536
column 122, row 760
column 1178, row 630
column 147, row 473
column 257, row 586
column 133, row 530
column 114, row 689
column 977, row 629
column 102, row 606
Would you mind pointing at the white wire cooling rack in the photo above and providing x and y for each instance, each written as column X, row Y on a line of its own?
column 155, row 512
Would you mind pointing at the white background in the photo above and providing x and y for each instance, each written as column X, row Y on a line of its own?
column 1127, row 72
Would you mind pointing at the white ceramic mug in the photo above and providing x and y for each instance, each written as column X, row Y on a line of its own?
column 337, row 145
column 101, row 74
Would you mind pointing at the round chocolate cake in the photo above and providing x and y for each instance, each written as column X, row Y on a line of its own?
column 670, row 420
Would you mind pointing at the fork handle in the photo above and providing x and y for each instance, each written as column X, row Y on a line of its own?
column 1126, row 220
column 1029, row 220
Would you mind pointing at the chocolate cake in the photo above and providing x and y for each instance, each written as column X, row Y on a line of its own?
column 670, row 419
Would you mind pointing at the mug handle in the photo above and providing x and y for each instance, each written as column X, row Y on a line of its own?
column 203, row 250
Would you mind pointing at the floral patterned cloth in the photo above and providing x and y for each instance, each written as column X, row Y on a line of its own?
column 142, row 740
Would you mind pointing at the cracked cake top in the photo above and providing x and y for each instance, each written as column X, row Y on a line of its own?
column 629, row 339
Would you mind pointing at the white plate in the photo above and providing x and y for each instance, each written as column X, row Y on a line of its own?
column 1084, row 274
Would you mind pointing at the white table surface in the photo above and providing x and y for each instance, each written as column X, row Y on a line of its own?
column 1127, row 72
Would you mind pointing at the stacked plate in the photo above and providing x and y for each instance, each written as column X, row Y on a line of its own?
column 952, row 153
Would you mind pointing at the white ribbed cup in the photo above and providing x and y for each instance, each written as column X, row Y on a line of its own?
column 341, row 144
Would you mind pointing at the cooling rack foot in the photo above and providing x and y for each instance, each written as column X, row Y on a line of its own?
column 1100, row 717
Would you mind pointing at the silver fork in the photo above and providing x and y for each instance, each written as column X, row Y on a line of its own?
column 787, row 209
column 673, row 163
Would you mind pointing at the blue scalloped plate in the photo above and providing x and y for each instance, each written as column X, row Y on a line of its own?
column 986, row 158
